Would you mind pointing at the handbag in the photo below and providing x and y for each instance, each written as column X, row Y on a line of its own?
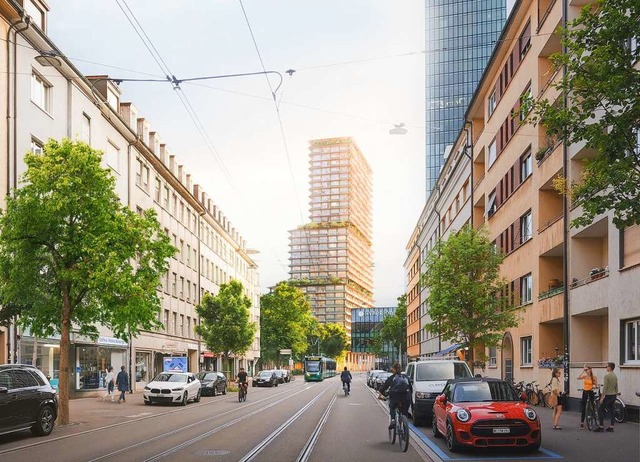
column 553, row 400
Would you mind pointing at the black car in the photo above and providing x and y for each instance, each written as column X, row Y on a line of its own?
column 27, row 400
column 212, row 383
column 265, row 379
column 281, row 374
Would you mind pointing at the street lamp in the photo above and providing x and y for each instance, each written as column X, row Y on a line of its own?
column 398, row 129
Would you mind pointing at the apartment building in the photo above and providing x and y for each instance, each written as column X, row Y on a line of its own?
column 50, row 98
column 331, row 257
column 448, row 208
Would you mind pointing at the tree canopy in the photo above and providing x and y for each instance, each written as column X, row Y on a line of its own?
column 602, row 84
column 334, row 341
column 224, row 320
column 394, row 327
column 467, row 301
column 285, row 322
column 73, row 256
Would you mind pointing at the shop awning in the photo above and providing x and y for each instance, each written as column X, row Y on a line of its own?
column 207, row 354
column 448, row 350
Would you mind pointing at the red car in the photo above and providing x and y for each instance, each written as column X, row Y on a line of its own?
column 484, row 413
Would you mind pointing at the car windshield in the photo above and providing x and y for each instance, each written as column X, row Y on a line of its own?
column 207, row 376
column 279, row 373
column 265, row 374
column 168, row 377
column 313, row 366
column 468, row 392
column 441, row 371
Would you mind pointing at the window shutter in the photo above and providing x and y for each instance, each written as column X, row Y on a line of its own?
column 516, row 292
column 518, row 232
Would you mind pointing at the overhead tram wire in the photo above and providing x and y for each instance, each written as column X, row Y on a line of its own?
column 282, row 134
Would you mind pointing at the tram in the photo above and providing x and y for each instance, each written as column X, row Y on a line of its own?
column 318, row 368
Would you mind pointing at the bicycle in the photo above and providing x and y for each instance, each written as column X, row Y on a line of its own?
column 531, row 389
column 242, row 392
column 619, row 408
column 546, row 395
column 400, row 429
column 591, row 412
column 345, row 388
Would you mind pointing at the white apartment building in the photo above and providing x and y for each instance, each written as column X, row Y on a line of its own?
column 49, row 98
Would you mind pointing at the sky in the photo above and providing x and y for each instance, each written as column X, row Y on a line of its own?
column 265, row 190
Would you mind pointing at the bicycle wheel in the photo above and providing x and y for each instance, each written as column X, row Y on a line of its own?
column 618, row 410
column 392, row 435
column 533, row 398
column 547, row 395
column 404, row 433
column 591, row 417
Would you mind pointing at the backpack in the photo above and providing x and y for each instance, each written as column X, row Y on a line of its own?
column 400, row 384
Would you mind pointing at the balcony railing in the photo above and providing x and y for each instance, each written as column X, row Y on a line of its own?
column 477, row 183
column 550, row 222
column 550, row 293
column 594, row 275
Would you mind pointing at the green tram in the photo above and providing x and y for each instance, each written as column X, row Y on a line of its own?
column 318, row 368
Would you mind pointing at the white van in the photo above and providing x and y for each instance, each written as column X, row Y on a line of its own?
column 428, row 378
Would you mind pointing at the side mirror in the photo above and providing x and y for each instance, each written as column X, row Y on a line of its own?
column 442, row 399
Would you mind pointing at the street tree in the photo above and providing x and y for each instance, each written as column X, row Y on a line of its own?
column 225, row 326
column 334, row 341
column 394, row 327
column 285, row 320
column 468, row 302
column 602, row 83
column 72, row 256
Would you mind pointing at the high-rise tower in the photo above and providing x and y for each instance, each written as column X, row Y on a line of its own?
column 460, row 36
column 331, row 257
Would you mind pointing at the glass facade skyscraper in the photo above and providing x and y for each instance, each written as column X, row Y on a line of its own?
column 460, row 36
column 365, row 325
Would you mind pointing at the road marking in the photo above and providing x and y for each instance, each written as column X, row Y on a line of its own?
column 354, row 404
column 311, row 443
column 142, row 414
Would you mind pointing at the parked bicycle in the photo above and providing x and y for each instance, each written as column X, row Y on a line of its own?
column 532, row 391
column 619, row 408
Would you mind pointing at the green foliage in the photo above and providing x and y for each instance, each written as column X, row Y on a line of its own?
column 603, row 109
column 285, row 321
column 71, row 254
column 466, row 303
column 224, row 320
column 334, row 341
column 394, row 327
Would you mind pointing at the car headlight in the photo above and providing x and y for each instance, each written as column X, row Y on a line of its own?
column 147, row 388
column 463, row 415
column 178, row 389
column 530, row 413
column 422, row 395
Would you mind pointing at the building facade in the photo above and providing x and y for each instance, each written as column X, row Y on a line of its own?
column 331, row 257
column 365, row 325
column 50, row 98
column 459, row 36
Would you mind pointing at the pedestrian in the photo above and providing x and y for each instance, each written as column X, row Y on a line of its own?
column 608, row 397
column 110, row 380
column 122, row 381
column 556, row 395
column 588, row 382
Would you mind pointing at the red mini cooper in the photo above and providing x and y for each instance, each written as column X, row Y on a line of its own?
column 484, row 413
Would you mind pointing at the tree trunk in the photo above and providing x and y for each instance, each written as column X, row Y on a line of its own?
column 65, row 346
column 34, row 357
column 472, row 356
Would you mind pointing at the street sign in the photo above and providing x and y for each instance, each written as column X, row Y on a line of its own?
column 286, row 352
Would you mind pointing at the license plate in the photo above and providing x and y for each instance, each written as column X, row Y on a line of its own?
column 501, row 430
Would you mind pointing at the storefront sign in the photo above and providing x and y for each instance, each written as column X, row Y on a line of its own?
column 111, row 341
column 175, row 364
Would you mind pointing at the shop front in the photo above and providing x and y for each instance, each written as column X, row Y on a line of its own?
column 42, row 353
column 93, row 359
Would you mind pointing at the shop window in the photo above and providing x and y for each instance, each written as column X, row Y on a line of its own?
column 93, row 363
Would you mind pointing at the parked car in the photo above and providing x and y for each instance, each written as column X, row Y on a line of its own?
column 371, row 376
column 172, row 387
column 485, row 412
column 287, row 376
column 279, row 375
column 27, row 400
column 212, row 383
column 428, row 378
column 265, row 379
column 381, row 378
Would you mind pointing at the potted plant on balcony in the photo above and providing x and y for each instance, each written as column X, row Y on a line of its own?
column 596, row 273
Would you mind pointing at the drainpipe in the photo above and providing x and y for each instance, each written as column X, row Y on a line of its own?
column 565, row 232
column 199, row 293
column 468, row 127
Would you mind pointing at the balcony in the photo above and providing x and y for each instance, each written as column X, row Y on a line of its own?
column 551, row 304
column 550, row 237
column 591, row 293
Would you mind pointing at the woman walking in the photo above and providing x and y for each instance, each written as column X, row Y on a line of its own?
column 589, row 381
column 110, row 381
column 556, row 396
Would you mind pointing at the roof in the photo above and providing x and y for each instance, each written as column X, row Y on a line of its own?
column 17, row 366
column 475, row 379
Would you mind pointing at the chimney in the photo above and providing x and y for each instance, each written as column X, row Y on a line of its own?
column 172, row 164
column 180, row 172
column 154, row 143
column 188, row 182
column 164, row 153
column 143, row 130
column 130, row 114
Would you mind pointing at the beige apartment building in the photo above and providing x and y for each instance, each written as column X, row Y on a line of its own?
column 50, row 98
column 331, row 256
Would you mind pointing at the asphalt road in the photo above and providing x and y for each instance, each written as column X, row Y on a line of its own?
column 297, row 421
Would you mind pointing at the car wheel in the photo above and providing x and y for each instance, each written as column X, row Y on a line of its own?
column 452, row 444
column 45, row 423
column 253, row 384
column 197, row 398
column 185, row 398
column 214, row 392
column 224, row 390
column 147, row 403
column 417, row 418
column 434, row 427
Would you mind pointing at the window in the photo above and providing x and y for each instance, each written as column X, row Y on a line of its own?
column 525, row 165
column 166, row 320
column 41, row 92
column 526, row 227
column 631, row 341
column 492, row 153
column 112, row 99
column 112, row 157
column 36, row 146
column 492, row 103
column 158, row 190
column 525, row 351
column 493, row 356
column 491, row 204
column 526, row 289
column 182, row 325
column 525, row 105
column 85, row 134
column 37, row 15
column 174, row 283
column 525, row 40
column 175, row 323
column 181, row 287
column 166, row 197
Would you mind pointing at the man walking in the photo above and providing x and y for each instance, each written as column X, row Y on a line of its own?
column 609, row 394
column 122, row 382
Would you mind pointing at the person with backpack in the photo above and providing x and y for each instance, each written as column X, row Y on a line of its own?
column 399, row 392
column 346, row 378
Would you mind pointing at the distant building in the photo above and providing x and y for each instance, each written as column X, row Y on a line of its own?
column 330, row 257
column 460, row 36
column 365, row 324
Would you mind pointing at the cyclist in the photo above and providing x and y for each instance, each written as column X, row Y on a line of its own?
column 345, row 376
column 242, row 380
column 399, row 392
